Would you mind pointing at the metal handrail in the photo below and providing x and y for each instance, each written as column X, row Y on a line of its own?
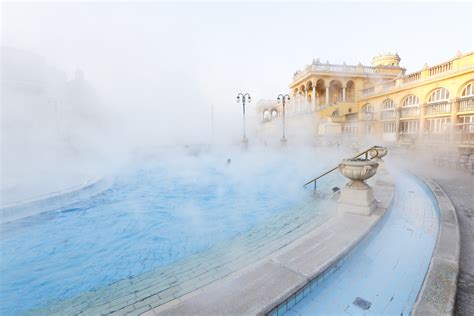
column 365, row 152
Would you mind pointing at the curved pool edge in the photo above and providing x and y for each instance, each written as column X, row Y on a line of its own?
column 270, row 283
column 437, row 295
column 54, row 200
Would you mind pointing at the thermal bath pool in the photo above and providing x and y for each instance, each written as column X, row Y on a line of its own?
column 152, row 218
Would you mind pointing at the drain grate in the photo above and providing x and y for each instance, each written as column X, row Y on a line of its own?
column 360, row 302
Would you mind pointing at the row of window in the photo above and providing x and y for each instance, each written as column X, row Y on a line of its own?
column 438, row 95
column 436, row 125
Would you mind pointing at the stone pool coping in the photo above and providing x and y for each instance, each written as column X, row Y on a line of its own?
column 273, row 281
column 46, row 202
column 438, row 293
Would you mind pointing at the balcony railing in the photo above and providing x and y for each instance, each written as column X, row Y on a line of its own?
column 319, row 67
column 352, row 117
column 441, row 68
column 338, row 118
column 390, row 84
column 367, row 116
column 466, row 104
column 410, row 111
column 388, row 115
column 438, row 108
column 368, row 91
column 422, row 75
column 412, row 77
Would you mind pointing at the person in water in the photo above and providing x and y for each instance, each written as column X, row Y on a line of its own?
column 229, row 161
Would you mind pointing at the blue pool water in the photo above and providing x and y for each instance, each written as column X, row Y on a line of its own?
column 149, row 217
column 388, row 268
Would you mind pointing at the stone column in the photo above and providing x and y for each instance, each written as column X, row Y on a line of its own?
column 454, row 118
column 305, row 101
column 343, row 94
column 327, row 96
column 397, row 123
column 314, row 97
column 421, row 125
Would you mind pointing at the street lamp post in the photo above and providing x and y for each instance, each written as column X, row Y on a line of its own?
column 244, row 98
column 283, row 98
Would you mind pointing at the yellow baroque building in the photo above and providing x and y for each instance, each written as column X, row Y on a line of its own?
column 432, row 106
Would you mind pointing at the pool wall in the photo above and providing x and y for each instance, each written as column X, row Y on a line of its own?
column 382, row 182
column 271, row 285
column 438, row 293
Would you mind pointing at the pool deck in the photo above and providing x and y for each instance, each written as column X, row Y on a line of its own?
column 288, row 272
column 438, row 293
column 460, row 190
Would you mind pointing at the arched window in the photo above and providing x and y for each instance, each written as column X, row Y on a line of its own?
column 411, row 100
column 368, row 108
column 388, row 105
column 468, row 90
column 440, row 94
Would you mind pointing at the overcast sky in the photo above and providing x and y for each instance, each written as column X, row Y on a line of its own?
column 205, row 53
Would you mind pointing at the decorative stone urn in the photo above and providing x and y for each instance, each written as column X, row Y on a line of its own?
column 357, row 196
column 378, row 152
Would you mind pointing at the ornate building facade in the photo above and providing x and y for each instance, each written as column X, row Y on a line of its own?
column 431, row 106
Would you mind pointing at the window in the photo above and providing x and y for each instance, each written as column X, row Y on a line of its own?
column 368, row 108
column 409, row 127
column 440, row 94
column 438, row 125
column 389, row 127
column 350, row 129
column 411, row 100
column 468, row 91
column 467, row 123
column 388, row 105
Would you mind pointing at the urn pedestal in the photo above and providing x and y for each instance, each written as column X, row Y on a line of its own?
column 357, row 196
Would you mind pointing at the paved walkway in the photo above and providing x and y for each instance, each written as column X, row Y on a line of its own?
column 460, row 189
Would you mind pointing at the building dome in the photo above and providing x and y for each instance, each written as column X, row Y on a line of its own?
column 388, row 59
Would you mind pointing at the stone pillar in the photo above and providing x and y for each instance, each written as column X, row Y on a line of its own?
column 397, row 124
column 305, row 102
column 343, row 94
column 454, row 119
column 314, row 97
column 421, row 126
column 327, row 96
column 300, row 104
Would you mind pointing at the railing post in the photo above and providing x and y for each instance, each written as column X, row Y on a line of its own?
column 315, row 185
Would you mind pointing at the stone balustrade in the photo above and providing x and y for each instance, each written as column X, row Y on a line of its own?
column 441, row 68
column 388, row 115
column 466, row 104
column 439, row 107
column 410, row 111
column 333, row 68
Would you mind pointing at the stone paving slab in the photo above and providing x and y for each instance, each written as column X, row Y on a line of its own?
column 306, row 258
column 281, row 282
